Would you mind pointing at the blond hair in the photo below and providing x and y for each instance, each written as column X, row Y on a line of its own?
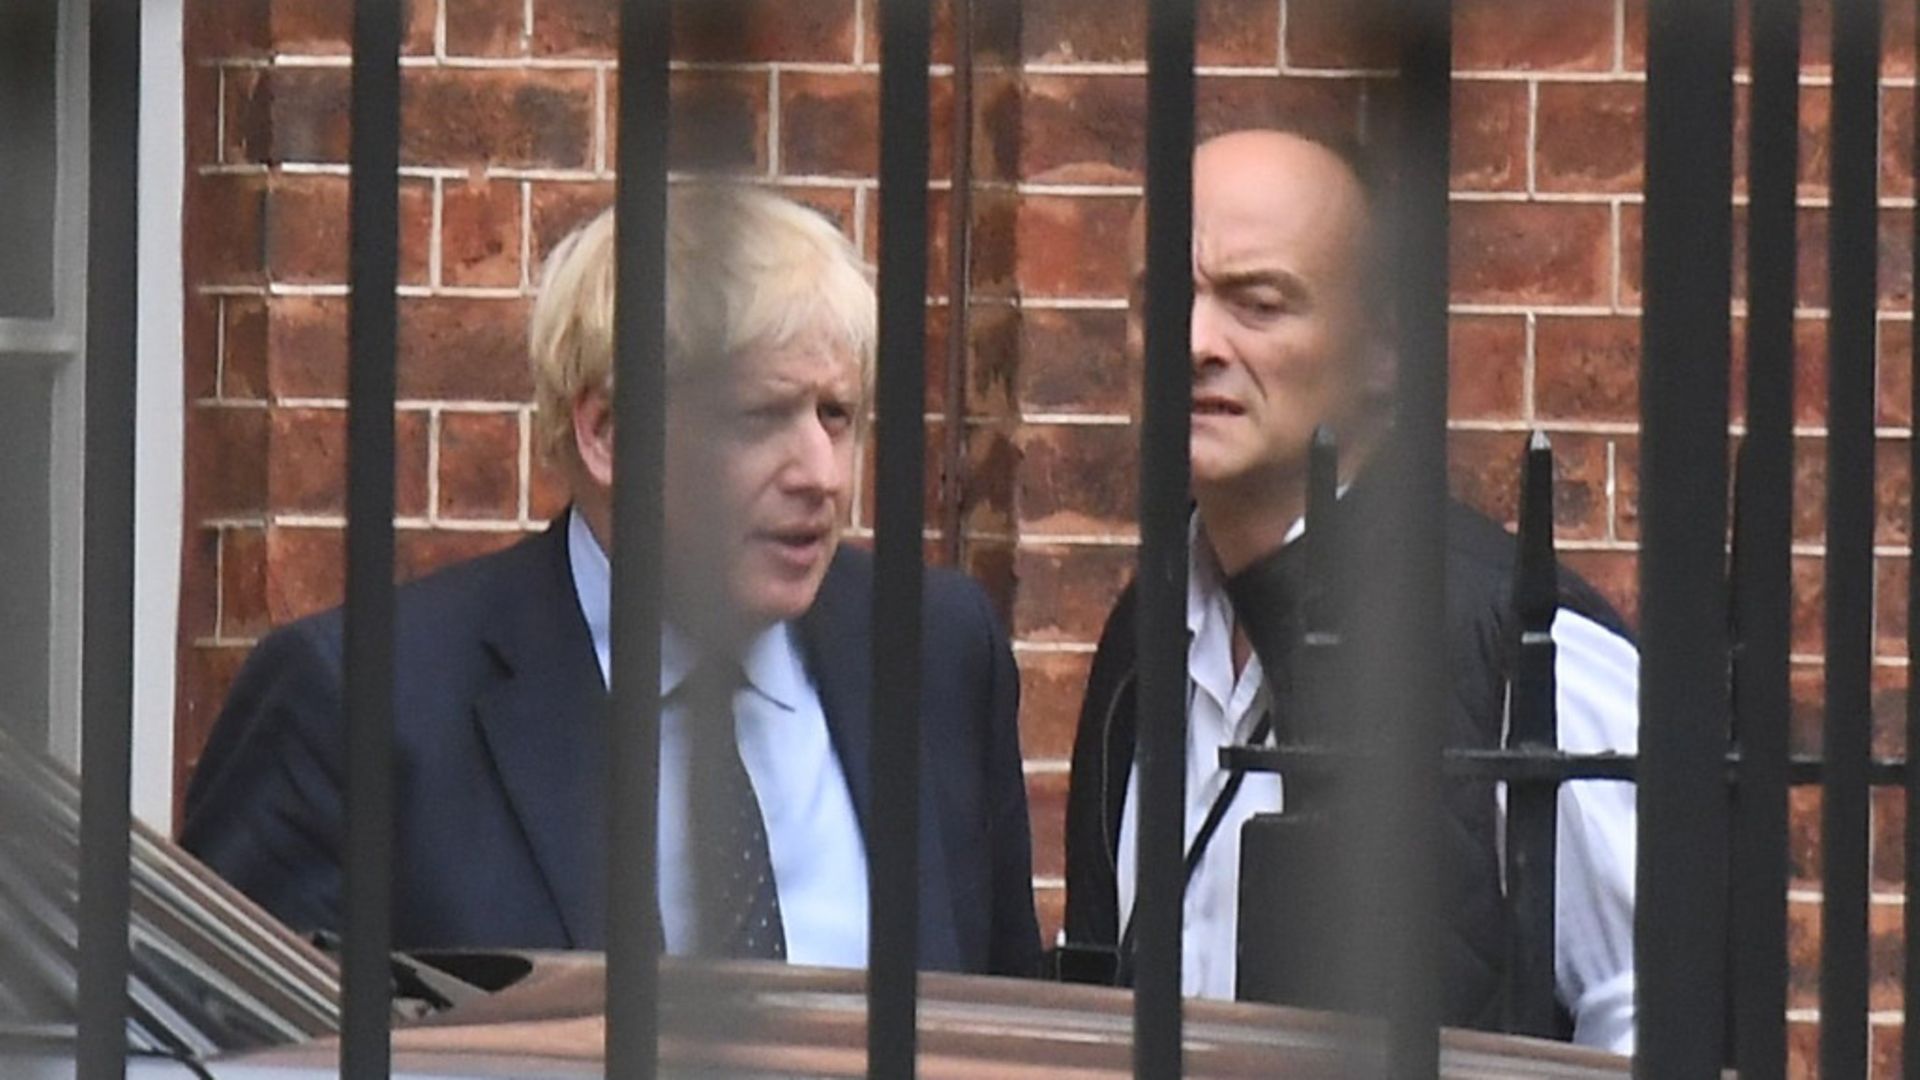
column 745, row 269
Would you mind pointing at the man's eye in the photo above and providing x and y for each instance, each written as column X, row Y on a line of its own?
column 835, row 417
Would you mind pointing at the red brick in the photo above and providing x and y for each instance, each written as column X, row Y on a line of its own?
column 243, row 582
column 586, row 28
column 1591, row 137
column 487, row 28
column 1889, row 839
column 719, row 123
column 243, row 360
column 1813, row 155
column 1809, row 606
column 463, row 349
column 1066, row 591
column 1075, row 361
column 307, row 346
column 518, row 118
column 547, row 494
column 1488, row 366
column 311, row 112
column 557, row 209
column 1803, row 838
column 1078, row 479
column 418, row 552
column 222, row 229
column 991, row 563
column 200, row 113
column 937, row 236
column 765, row 30
column 200, row 345
column 867, row 483
column 246, row 114
column 1816, row 55
column 996, row 244
column 1886, row 959
column 1338, row 34
column 1490, row 135
column 307, row 463
column 1306, row 104
column 1895, row 373
column 991, row 482
column 1532, row 253
column 199, row 582
column 480, row 233
column 993, row 362
column 1885, row 1043
column 1074, row 31
column 1888, row 705
column 1533, row 35
column 226, row 460
column 829, row 124
column 1633, row 256
column 306, row 571
column 1893, row 492
column 1809, row 490
column 1485, row 470
column 219, row 29
column 1587, row 368
column 1047, row 810
column 1803, row 954
column 307, row 229
column 480, row 465
column 1633, row 41
column 996, row 34
column 325, row 27
column 1051, row 685
column 1083, row 129
column 1626, row 495
column 1896, row 141
column 1809, row 371
column 1071, row 246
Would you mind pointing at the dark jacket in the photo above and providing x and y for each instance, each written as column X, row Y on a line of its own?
column 1480, row 636
column 500, row 761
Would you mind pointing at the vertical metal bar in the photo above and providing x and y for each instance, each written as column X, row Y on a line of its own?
column 1680, row 922
column 640, row 415
column 1532, row 835
column 1910, row 1027
column 106, row 703
column 1416, row 632
column 373, row 269
column 959, row 284
column 1762, row 542
column 1319, row 639
column 1853, row 240
column 899, row 517
column 1166, row 395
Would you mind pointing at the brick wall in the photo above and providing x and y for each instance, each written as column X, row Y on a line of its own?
column 507, row 143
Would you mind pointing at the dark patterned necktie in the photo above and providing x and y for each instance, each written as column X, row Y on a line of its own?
column 739, row 908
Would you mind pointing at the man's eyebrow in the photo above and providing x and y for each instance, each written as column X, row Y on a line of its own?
column 1273, row 277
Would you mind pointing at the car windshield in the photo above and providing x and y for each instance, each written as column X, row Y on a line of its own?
column 210, row 973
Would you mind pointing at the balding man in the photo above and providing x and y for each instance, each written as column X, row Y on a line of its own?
column 1291, row 330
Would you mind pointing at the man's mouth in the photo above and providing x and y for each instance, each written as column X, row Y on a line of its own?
column 1214, row 405
column 798, row 542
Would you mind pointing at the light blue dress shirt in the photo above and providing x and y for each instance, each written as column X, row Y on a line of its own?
column 813, row 835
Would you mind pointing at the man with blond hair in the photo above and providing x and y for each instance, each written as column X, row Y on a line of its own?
column 502, row 662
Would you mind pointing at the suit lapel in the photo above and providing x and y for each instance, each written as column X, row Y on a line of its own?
column 544, row 724
column 837, row 636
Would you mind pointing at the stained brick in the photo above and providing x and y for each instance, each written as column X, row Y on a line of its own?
column 200, row 345
column 1895, row 373
column 1813, row 153
column 480, row 233
column 547, row 494
column 199, row 582
column 1076, row 361
column 1893, row 492
column 480, row 465
column 1587, row 368
column 719, row 124
column 456, row 349
column 1066, row 590
column 487, row 28
column 937, row 237
column 1809, row 632
column 307, row 462
column 829, row 124
column 1485, row 470
column 1809, row 490
column 1803, row 954
column 1489, row 135
column 557, row 209
column 1077, row 479
column 1889, row 839
column 1896, row 141
column 243, row 579
column 761, row 30
column 218, row 29
column 325, row 27
column 418, row 552
column 1590, row 136
column 1886, row 955
column 522, row 118
column 307, row 229
column 1047, row 810
column 200, row 113
column 306, row 570
column 1305, row 104
column 1083, row 129
column 1337, row 34
column 1051, row 685
column 307, row 347
column 1487, row 376
column 994, row 340
column 1531, row 253
column 245, row 116
column 1533, row 35
column 1809, row 371
column 1068, row 246
column 222, row 230
column 226, row 460
column 311, row 110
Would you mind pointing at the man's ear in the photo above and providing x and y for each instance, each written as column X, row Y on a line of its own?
column 1382, row 373
column 593, row 434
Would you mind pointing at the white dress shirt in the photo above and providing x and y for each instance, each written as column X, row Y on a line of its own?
column 813, row 835
column 1598, row 676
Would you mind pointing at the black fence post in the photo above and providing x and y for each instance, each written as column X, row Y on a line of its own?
column 1680, row 920
column 1532, row 827
column 1166, row 395
column 899, row 520
column 106, row 702
column 372, row 330
column 639, row 403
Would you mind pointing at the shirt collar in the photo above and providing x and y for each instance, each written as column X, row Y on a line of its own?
column 770, row 661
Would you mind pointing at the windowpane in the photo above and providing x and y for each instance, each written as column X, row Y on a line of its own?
column 28, row 156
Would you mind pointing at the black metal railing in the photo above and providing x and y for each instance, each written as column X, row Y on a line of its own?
column 1711, row 920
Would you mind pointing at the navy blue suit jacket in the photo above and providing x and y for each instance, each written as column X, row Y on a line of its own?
column 500, row 759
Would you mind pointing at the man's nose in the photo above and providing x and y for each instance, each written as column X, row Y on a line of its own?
column 817, row 467
column 1206, row 334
